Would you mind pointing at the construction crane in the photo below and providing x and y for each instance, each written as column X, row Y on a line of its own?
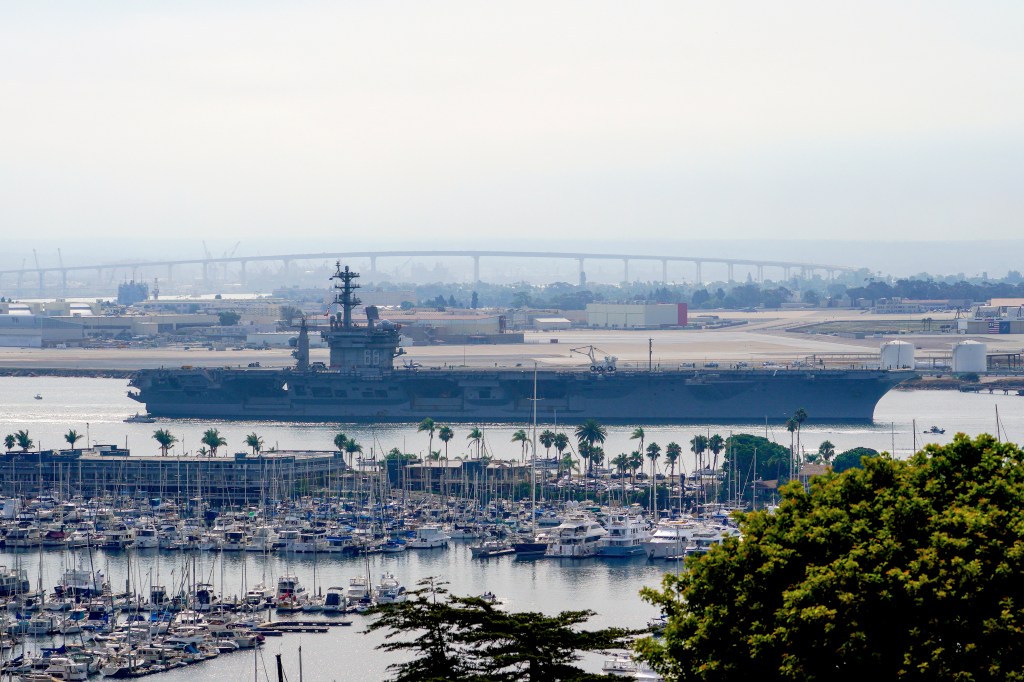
column 605, row 364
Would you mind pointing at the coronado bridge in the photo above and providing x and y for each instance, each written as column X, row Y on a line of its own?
column 57, row 275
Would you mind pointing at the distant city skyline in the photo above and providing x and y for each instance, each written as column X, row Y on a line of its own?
column 449, row 122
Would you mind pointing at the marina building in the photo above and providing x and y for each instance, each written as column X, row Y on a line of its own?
column 239, row 479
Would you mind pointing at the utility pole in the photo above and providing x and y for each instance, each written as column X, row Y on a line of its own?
column 650, row 355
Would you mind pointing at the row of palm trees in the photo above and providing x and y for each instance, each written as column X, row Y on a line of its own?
column 211, row 440
column 22, row 440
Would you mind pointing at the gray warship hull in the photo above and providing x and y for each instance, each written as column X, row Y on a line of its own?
column 506, row 395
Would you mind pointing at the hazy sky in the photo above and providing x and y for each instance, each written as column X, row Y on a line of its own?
column 359, row 122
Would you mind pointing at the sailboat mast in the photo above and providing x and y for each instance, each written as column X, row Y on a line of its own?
column 533, row 459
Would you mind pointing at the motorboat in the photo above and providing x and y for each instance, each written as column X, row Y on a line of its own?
column 140, row 419
column 670, row 538
column 576, row 537
column 389, row 590
column 334, row 600
column 626, row 536
column 429, row 537
column 935, row 430
column 491, row 548
column 291, row 595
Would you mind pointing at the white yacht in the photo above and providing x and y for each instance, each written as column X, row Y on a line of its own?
column 675, row 539
column 147, row 537
column 577, row 537
column 291, row 595
column 428, row 537
column 263, row 539
column 358, row 590
column 626, row 536
column 389, row 590
column 670, row 538
column 119, row 537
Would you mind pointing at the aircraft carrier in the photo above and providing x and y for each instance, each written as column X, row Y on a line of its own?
column 362, row 384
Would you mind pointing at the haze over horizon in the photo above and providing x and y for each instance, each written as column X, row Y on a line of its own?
column 826, row 127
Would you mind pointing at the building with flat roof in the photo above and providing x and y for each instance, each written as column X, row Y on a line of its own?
column 104, row 470
column 636, row 315
column 36, row 331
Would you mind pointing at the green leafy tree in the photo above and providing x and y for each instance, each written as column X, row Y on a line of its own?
column 851, row 459
column 826, row 451
column 465, row 638
column 339, row 441
column 23, row 441
column 165, row 439
column 9, row 441
column 741, row 451
column 255, row 442
column 72, row 437
column 228, row 318
column 212, row 439
column 902, row 570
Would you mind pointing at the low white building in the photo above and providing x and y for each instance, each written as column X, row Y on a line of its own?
column 636, row 315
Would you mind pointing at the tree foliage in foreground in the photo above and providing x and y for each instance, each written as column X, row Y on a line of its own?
column 466, row 638
column 896, row 571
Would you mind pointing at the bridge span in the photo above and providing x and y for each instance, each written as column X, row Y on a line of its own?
column 166, row 267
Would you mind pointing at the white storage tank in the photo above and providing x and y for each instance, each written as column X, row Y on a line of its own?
column 897, row 355
column 970, row 356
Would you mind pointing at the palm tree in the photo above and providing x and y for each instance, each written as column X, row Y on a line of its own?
column 800, row 416
column 698, row 444
column 72, row 437
column 827, row 451
column 429, row 426
column 590, row 432
column 445, row 434
column 673, row 451
column 621, row 463
column 9, row 441
column 547, row 439
column 339, row 441
column 521, row 438
column 791, row 426
column 23, row 441
column 638, row 434
column 475, row 437
column 653, row 452
column 716, row 444
column 255, row 442
column 202, row 452
column 636, row 460
column 213, row 438
column 352, row 448
column 166, row 440
column 561, row 442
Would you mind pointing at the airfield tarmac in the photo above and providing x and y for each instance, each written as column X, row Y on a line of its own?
column 762, row 338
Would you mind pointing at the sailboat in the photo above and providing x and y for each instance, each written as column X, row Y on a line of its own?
column 534, row 544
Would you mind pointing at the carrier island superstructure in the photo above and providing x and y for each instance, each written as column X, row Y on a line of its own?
column 361, row 383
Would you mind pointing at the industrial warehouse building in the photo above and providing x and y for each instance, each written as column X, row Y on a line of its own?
column 35, row 331
column 636, row 315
